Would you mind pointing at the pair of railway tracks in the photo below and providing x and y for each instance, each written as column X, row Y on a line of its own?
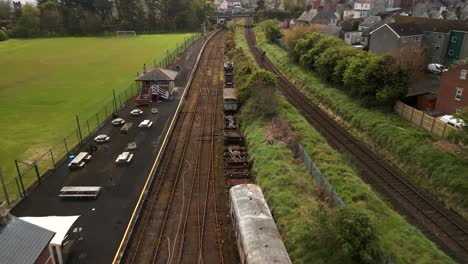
column 445, row 228
column 179, row 221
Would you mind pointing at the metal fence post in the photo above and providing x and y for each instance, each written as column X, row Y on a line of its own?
column 105, row 110
column 52, row 157
column 66, row 147
column 115, row 101
column 19, row 190
column 7, row 198
column 89, row 131
column 20, row 178
column 36, row 168
column 79, row 130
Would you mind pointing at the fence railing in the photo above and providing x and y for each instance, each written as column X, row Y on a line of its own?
column 31, row 170
column 423, row 120
column 325, row 186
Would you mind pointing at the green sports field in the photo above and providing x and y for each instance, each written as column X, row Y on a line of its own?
column 45, row 82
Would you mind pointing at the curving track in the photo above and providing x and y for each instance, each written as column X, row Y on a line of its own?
column 445, row 228
column 179, row 220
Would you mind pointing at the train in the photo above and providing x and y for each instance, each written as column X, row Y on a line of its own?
column 229, row 100
column 228, row 74
column 257, row 237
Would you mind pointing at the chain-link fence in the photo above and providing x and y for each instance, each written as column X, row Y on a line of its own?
column 30, row 171
column 324, row 185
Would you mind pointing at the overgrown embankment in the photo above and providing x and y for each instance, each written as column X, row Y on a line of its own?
column 313, row 233
column 441, row 173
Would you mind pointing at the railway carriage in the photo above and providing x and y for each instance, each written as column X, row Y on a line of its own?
column 258, row 239
column 228, row 74
column 229, row 100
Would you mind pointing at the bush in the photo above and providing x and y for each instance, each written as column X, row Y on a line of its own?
column 291, row 36
column 3, row 35
column 271, row 29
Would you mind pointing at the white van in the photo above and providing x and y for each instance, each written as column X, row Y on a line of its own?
column 453, row 121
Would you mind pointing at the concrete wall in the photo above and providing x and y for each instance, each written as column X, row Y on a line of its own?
column 436, row 45
column 384, row 41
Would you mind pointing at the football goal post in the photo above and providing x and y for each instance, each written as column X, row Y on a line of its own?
column 125, row 34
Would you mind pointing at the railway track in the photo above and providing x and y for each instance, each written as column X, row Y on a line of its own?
column 179, row 221
column 447, row 230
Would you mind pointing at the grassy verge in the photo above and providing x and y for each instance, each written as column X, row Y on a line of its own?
column 45, row 82
column 443, row 174
column 291, row 192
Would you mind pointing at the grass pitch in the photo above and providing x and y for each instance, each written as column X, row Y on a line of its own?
column 45, row 82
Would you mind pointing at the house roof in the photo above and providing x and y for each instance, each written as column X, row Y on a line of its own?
column 307, row 16
column 330, row 30
column 60, row 225
column 370, row 21
column 434, row 25
column 427, row 84
column 22, row 242
column 158, row 74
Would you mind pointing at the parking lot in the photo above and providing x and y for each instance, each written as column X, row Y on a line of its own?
column 104, row 220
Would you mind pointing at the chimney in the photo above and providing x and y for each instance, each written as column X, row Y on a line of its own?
column 5, row 216
column 144, row 68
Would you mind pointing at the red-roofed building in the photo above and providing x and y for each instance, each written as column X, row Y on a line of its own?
column 157, row 82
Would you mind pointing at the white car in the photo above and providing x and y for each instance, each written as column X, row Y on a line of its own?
column 453, row 121
column 136, row 112
column 125, row 157
column 145, row 123
column 436, row 68
column 118, row 122
column 102, row 138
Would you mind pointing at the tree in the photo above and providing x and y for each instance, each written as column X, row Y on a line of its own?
column 90, row 23
column 51, row 18
column 292, row 36
column 328, row 60
column 203, row 9
column 305, row 44
column 131, row 14
column 294, row 5
column 271, row 29
column 6, row 9
column 29, row 22
column 3, row 35
column 260, row 5
column 261, row 87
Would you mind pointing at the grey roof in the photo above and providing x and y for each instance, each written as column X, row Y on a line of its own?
column 330, row 30
column 260, row 238
column 429, row 83
column 22, row 242
column 307, row 16
column 370, row 21
column 158, row 74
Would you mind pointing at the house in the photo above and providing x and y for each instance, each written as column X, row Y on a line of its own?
column 352, row 37
column 393, row 37
column 330, row 30
column 453, row 91
column 362, row 9
column 22, row 242
column 444, row 41
column 369, row 23
column 318, row 16
column 223, row 5
column 234, row 3
column 157, row 82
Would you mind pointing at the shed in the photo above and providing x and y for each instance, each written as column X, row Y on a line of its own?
column 62, row 242
column 24, row 243
column 157, row 82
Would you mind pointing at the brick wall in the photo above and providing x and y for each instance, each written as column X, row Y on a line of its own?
column 446, row 101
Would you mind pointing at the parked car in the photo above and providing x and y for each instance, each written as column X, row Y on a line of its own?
column 453, row 121
column 125, row 157
column 145, row 123
column 102, row 138
column 118, row 122
column 436, row 68
column 136, row 112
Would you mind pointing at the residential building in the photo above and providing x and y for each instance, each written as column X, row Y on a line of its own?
column 362, row 9
column 318, row 16
column 392, row 38
column 352, row 37
column 444, row 41
column 369, row 23
column 453, row 91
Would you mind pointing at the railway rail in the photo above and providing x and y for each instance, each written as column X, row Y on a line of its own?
column 179, row 221
column 446, row 229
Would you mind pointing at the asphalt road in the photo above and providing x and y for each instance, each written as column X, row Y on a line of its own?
column 104, row 220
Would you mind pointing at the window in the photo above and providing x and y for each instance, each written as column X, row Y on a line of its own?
column 437, row 46
column 439, row 36
column 403, row 39
column 450, row 53
column 454, row 39
column 458, row 94
column 418, row 38
column 427, row 34
column 463, row 74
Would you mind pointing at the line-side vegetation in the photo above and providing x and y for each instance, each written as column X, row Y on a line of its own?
column 349, row 84
column 365, row 230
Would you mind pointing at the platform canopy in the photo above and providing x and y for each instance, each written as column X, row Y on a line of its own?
column 58, row 224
